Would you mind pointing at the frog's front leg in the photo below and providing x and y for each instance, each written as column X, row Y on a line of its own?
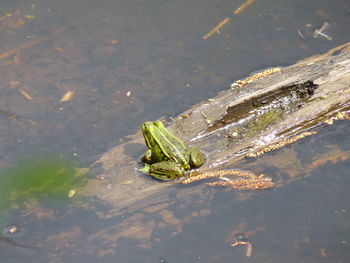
column 147, row 157
column 166, row 170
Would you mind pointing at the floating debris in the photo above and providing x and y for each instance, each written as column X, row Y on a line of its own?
column 10, row 115
column 244, row 180
column 11, row 230
column 241, row 239
column 323, row 253
column 185, row 115
column 126, row 182
column 243, row 6
column 254, row 77
column 216, row 29
column 14, row 83
column 8, row 232
column 300, row 34
column 113, row 42
column 72, row 193
column 319, row 32
column 202, row 176
column 31, row 17
column 25, row 94
column 68, row 96
column 26, row 45
column 280, row 144
column 246, row 184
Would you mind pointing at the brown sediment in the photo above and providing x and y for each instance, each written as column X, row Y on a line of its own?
column 216, row 28
column 23, row 46
column 9, row 115
column 280, row 144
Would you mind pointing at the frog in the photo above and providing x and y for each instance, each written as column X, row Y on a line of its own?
column 168, row 157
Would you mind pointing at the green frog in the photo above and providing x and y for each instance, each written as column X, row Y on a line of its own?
column 167, row 157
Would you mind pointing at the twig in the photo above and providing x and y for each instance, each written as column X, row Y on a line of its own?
column 301, row 34
column 227, row 19
column 23, row 46
column 319, row 32
column 216, row 28
column 243, row 6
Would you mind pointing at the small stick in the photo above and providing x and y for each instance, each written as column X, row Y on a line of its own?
column 241, row 239
column 216, row 28
column 249, row 250
column 301, row 35
column 227, row 19
column 16, row 49
column 243, row 6
column 319, row 32
column 323, row 35
column 25, row 94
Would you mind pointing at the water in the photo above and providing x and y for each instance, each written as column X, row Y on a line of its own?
column 131, row 61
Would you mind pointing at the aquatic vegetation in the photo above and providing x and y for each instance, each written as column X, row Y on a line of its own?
column 39, row 179
column 280, row 144
column 241, row 180
column 254, row 77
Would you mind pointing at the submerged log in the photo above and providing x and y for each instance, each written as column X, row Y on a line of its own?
column 253, row 114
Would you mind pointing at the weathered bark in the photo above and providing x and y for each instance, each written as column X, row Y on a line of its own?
column 208, row 125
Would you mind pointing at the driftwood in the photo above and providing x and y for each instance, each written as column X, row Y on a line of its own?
column 215, row 126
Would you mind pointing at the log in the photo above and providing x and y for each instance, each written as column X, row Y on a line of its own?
column 238, row 121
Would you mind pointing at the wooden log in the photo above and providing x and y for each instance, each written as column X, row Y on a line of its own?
column 314, row 89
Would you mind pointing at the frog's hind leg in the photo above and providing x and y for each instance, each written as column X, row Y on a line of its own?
column 166, row 170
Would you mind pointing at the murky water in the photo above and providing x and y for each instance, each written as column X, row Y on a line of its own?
column 78, row 76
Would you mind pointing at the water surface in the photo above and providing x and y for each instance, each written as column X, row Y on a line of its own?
column 124, row 62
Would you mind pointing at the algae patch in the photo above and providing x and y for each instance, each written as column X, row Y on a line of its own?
column 39, row 179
